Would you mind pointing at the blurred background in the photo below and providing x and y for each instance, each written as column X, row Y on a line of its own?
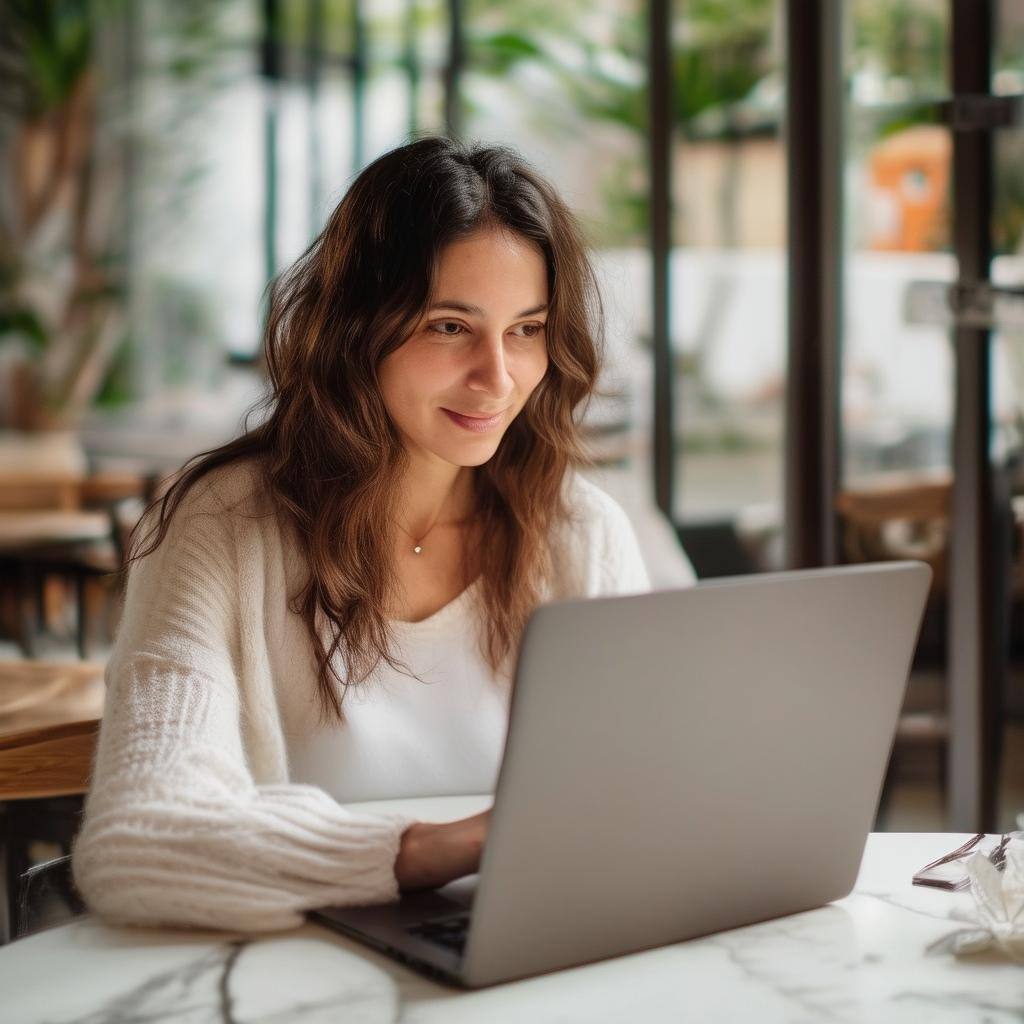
column 807, row 221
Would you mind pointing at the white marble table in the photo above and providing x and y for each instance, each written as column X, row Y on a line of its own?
column 859, row 960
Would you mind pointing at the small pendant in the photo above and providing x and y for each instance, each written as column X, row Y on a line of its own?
column 416, row 550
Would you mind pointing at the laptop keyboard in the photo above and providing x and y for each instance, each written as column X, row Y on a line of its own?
column 449, row 932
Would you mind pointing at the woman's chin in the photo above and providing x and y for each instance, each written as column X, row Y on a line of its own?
column 468, row 455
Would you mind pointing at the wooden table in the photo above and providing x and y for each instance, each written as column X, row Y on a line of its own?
column 46, row 452
column 38, row 694
column 45, row 527
column 49, row 719
column 40, row 469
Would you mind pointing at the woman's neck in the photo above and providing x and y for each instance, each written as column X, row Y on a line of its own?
column 433, row 492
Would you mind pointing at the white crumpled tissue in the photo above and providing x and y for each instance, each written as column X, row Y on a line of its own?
column 998, row 921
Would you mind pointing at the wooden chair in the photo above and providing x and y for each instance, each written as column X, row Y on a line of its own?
column 898, row 516
column 49, row 723
column 79, row 546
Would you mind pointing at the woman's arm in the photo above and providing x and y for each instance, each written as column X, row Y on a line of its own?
column 176, row 831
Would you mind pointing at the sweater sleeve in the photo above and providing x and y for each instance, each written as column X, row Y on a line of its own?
column 176, row 831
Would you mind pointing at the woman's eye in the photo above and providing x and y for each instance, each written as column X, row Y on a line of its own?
column 452, row 329
column 441, row 327
column 530, row 330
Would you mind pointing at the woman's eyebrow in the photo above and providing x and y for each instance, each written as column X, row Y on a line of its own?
column 466, row 307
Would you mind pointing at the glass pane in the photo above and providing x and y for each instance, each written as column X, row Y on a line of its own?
column 897, row 388
column 204, row 122
column 565, row 84
column 407, row 45
column 897, row 384
column 377, row 79
column 729, row 280
column 197, row 137
column 1008, row 59
column 426, row 54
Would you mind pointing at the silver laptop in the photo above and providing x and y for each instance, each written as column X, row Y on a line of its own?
column 677, row 763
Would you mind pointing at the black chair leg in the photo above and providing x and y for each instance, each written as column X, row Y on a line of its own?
column 16, row 863
column 6, row 905
column 83, row 616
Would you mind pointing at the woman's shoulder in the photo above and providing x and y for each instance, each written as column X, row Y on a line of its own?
column 237, row 487
column 595, row 549
column 593, row 512
column 225, row 506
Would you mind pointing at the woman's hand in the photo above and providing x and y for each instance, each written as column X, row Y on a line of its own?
column 433, row 855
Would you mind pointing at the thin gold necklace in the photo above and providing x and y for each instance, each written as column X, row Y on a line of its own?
column 417, row 545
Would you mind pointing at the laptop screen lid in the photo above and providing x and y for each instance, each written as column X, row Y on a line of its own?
column 689, row 761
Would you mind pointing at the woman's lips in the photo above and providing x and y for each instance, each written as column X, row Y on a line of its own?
column 478, row 424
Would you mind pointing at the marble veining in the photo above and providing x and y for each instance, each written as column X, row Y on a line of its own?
column 892, row 901
column 823, row 995
column 979, row 1007
column 197, row 991
column 210, row 989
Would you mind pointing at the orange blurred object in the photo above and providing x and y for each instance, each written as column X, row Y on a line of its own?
column 909, row 174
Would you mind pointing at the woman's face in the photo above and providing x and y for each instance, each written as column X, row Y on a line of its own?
column 469, row 366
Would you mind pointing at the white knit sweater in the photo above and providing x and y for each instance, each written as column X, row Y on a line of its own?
column 192, row 817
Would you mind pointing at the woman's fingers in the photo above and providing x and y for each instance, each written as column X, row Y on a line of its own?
column 433, row 855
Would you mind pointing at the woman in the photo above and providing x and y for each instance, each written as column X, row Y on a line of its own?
column 327, row 609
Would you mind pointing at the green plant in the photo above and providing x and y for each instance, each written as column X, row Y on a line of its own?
column 55, row 279
column 719, row 56
column 67, row 144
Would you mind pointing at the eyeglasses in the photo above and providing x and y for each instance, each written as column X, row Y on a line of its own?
column 944, row 874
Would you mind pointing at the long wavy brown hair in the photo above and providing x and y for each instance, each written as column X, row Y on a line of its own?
column 328, row 452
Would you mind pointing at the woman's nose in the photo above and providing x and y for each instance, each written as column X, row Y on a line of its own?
column 490, row 370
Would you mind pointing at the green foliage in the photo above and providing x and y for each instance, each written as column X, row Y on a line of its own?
column 626, row 207
column 498, row 52
column 117, row 388
column 542, row 17
column 903, row 39
column 893, row 121
column 48, row 55
column 1008, row 215
column 23, row 323
column 727, row 439
column 45, row 48
column 721, row 54
column 45, row 51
